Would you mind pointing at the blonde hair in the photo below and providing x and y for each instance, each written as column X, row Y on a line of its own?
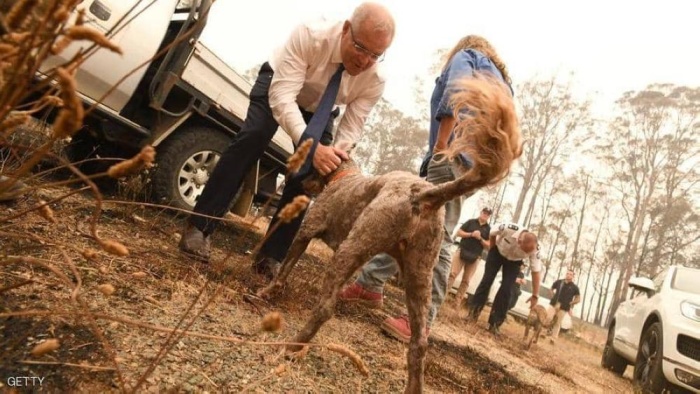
column 480, row 44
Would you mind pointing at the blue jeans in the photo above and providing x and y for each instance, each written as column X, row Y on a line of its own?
column 383, row 267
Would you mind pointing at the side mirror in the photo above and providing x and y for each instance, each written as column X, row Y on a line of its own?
column 644, row 284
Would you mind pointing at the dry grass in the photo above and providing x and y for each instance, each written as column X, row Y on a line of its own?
column 96, row 296
column 154, row 285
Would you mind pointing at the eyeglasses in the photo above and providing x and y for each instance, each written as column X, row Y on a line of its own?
column 359, row 48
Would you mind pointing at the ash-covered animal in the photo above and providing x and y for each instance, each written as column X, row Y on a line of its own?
column 537, row 319
column 401, row 214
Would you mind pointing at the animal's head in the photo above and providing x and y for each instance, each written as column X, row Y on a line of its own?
column 315, row 183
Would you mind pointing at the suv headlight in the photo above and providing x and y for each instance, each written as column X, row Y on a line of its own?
column 690, row 310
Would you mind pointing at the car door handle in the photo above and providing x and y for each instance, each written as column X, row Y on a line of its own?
column 101, row 11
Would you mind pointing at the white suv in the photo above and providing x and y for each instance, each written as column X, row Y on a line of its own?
column 658, row 331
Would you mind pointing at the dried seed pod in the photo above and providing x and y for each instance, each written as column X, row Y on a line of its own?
column 354, row 357
column 89, row 254
column 139, row 275
column 70, row 117
column 272, row 322
column 60, row 45
column 106, row 289
column 144, row 159
column 297, row 160
column 19, row 13
column 114, row 247
column 47, row 346
column 46, row 212
column 292, row 210
column 90, row 34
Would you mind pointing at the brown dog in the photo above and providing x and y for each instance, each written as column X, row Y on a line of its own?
column 401, row 214
column 537, row 319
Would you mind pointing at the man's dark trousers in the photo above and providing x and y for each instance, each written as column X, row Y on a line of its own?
column 494, row 262
column 245, row 150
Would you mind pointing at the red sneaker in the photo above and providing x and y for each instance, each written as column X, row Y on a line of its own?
column 399, row 328
column 357, row 293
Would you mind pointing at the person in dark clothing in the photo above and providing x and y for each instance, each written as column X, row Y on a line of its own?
column 565, row 294
column 322, row 64
column 474, row 234
column 510, row 245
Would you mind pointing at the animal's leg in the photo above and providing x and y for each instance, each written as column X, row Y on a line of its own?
column 538, row 328
column 417, row 265
column 310, row 229
column 333, row 282
column 362, row 243
column 527, row 327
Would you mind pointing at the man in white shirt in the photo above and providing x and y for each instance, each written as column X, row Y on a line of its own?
column 286, row 93
column 510, row 246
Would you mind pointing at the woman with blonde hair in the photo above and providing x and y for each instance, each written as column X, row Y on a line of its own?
column 471, row 56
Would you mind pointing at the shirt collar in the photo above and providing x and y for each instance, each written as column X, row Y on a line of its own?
column 336, row 56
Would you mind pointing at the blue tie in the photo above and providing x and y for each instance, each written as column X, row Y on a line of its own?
column 320, row 118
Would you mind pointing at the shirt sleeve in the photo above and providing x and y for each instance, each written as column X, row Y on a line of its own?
column 498, row 230
column 353, row 121
column 535, row 263
column 287, row 81
column 577, row 292
column 461, row 65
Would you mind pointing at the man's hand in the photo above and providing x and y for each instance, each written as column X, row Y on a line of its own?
column 476, row 234
column 571, row 312
column 328, row 158
column 533, row 302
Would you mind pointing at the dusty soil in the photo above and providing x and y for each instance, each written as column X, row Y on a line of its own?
column 109, row 342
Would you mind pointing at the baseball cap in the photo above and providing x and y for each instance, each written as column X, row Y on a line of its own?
column 487, row 210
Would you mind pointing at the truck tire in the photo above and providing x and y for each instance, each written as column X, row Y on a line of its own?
column 185, row 160
column 611, row 360
column 648, row 369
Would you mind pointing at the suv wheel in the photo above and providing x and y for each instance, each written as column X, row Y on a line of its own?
column 611, row 360
column 648, row 372
column 185, row 162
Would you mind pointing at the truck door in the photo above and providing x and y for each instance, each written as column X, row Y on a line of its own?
column 139, row 33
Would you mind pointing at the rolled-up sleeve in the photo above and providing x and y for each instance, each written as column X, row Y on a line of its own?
column 287, row 82
column 498, row 230
column 461, row 65
column 535, row 262
column 352, row 123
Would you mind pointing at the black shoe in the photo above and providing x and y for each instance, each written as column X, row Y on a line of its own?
column 493, row 329
column 472, row 315
column 267, row 266
column 195, row 244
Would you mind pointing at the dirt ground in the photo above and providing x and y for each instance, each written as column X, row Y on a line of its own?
column 156, row 289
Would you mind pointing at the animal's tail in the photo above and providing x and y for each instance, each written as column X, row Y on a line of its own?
column 487, row 131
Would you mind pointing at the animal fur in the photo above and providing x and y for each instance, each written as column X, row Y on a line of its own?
column 537, row 319
column 401, row 214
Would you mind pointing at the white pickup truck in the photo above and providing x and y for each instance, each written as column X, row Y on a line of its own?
column 187, row 103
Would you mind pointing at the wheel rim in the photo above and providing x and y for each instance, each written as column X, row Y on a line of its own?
column 648, row 356
column 194, row 173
